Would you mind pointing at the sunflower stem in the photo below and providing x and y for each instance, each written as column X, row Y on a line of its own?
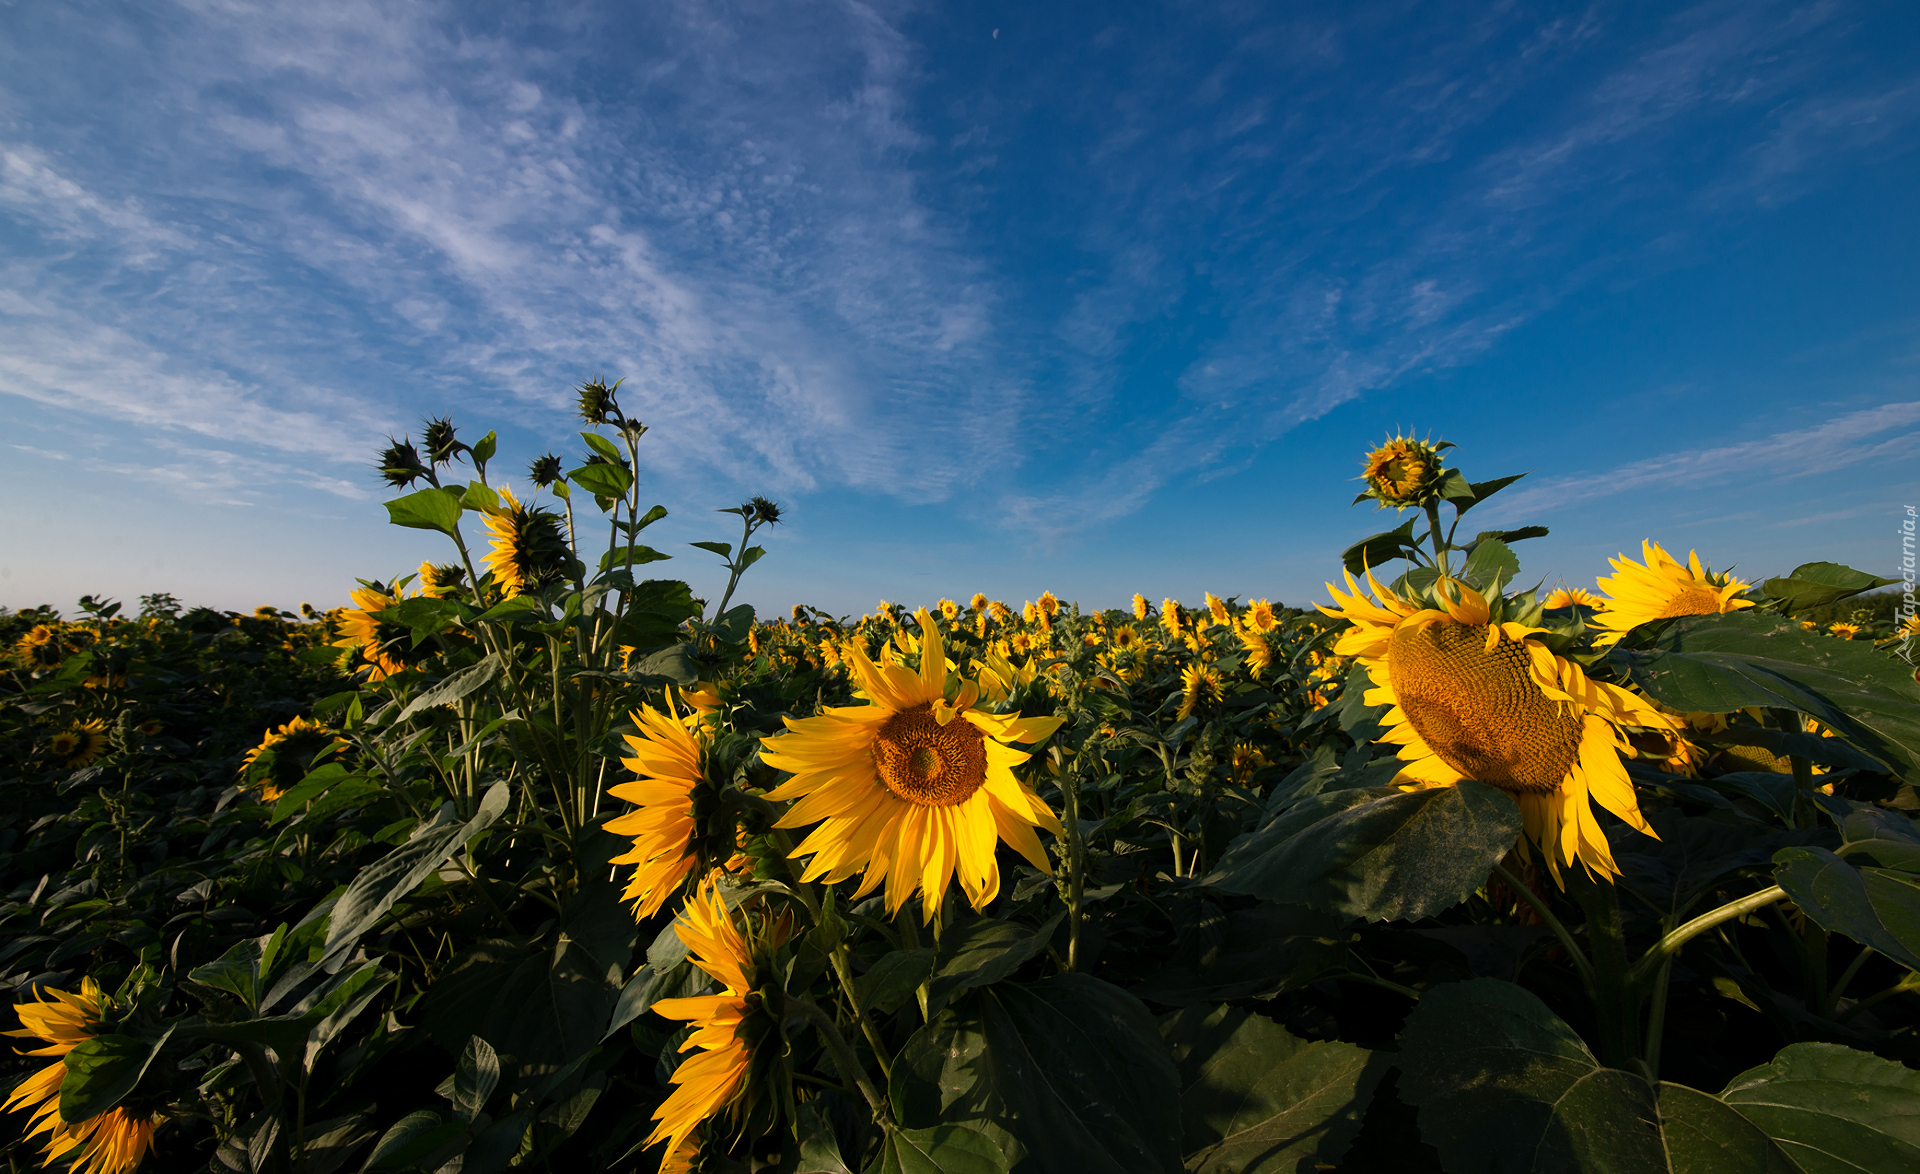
column 1670, row 944
column 837, row 1047
column 1076, row 869
column 1613, row 1001
column 1567, row 942
column 1439, row 543
column 1657, row 1019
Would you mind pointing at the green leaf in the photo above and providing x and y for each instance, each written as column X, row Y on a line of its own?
column 631, row 555
column 484, row 448
column 1380, row 549
column 455, row 687
column 1833, row 1109
column 509, row 609
column 944, row 1149
column 101, row 1071
column 655, row 610
column 1889, row 839
column 1490, row 562
column 1503, row 1085
column 602, row 445
column 1266, row 950
column 1070, row 1071
column 479, row 498
column 1375, row 852
column 1454, row 487
column 723, row 549
column 602, row 480
column 1482, row 490
column 1818, row 584
column 819, row 1148
column 1519, row 535
column 475, row 1079
column 891, row 981
column 982, row 951
column 428, row 509
column 1873, row 906
column 412, row 1139
column 393, row 876
column 236, row 972
column 1717, row 664
column 647, row 519
column 1256, row 1099
column 751, row 555
column 734, row 626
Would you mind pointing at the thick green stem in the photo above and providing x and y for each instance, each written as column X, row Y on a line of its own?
column 1439, row 543
column 1567, row 942
column 1613, row 1003
column 837, row 1047
column 1670, row 945
column 1657, row 1020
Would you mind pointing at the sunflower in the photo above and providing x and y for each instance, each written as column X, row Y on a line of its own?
column 40, row 646
column 1199, row 689
column 1844, row 631
column 1573, row 597
column 950, row 609
column 1403, row 472
column 912, row 787
column 1260, row 616
column 441, row 582
column 1124, row 638
column 1170, row 616
column 529, row 550
column 1662, row 589
column 379, row 641
column 725, row 1026
column 82, row 743
column 1048, row 604
column 1000, row 611
column 1141, row 607
column 1247, row 758
column 979, row 602
column 1476, row 699
column 109, row 1143
column 284, row 755
column 1217, row 610
column 1259, row 652
column 665, row 830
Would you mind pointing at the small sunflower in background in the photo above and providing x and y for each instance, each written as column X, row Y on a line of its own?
column 41, row 646
column 529, row 548
column 1259, row 652
column 441, row 582
column 979, row 602
column 1217, row 611
column 950, row 610
column 80, row 744
column 1404, row 472
column 285, row 755
column 667, row 842
column 112, row 1142
column 1573, row 597
column 727, row 1027
column 1170, row 616
column 379, row 641
column 1141, row 608
column 1662, row 588
column 1478, row 699
column 1199, row 690
column 1124, row 637
column 913, row 788
column 1260, row 616
column 1844, row 631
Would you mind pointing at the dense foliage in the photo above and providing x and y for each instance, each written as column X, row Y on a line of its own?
column 526, row 861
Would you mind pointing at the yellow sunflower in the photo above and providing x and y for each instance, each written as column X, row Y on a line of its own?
column 1199, row 689
column 979, row 602
column 950, row 609
column 1000, row 611
column 83, row 743
column 914, row 787
column 1662, row 589
column 1141, row 608
column 1260, row 616
column 441, row 582
column 1217, row 611
column 375, row 638
column 1403, row 471
column 109, row 1143
column 666, row 757
column 284, row 755
column 1124, row 638
column 1259, row 652
column 529, row 551
column 723, row 1026
column 1844, row 631
column 1573, row 597
column 1048, row 604
column 1474, row 699
column 1170, row 616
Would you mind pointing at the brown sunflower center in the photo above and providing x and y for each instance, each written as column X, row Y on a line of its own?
column 927, row 763
column 1481, row 711
column 1694, row 601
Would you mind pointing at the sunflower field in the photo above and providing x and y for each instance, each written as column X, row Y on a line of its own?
column 530, row 861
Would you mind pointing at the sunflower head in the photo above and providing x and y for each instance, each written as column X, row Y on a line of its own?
column 1170, row 616
column 529, row 548
column 950, row 609
column 1123, row 637
column 1259, row 651
column 1049, row 606
column 284, row 756
column 112, row 1142
column 1200, row 691
column 400, row 464
column 442, row 440
column 680, row 825
column 1844, row 631
column 1141, row 607
column 1662, row 588
column 441, row 581
column 595, row 400
column 1404, row 472
column 979, row 602
column 42, row 646
column 1217, row 612
column 386, row 646
column 1260, row 616
column 1564, row 597
column 80, row 744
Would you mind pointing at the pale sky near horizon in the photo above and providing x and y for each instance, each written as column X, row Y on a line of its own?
column 1096, row 298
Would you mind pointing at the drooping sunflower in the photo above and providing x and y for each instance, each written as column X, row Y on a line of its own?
column 999, row 611
column 529, row 549
column 1141, row 607
column 112, row 1142
column 1403, row 472
column 1573, row 597
column 1663, row 588
column 1199, row 690
column 1259, row 651
column 1475, row 699
column 441, row 582
column 914, row 787
column 1217, row 611
column 667, row 845
column 1170, row 616
column 726, row 1026
column 380, row 642
column 1048, row 604
column 284, row 755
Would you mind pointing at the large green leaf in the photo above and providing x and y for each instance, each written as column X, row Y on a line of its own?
column 1717, row 664
column 1256, row 1099
column 1375, row 852
column 393, row 876
column 1380, row 549
column 1834, row 1109
column 1503, row 1085
column 1873, row 906
column 103, row 1070
column 1885, row 837
column 655, row 609
column 602, row 480
column 943, row 1149
column 455, row 687
column 428, row 509
column 1070, row 1071
column 1264, row 951
column 982, row 951
column 1818, row 584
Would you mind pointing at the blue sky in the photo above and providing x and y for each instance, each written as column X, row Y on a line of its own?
column 1096, row 298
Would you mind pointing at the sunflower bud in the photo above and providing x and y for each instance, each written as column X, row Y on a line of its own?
column 400, row 463
column 442, row 445
column 596, row 401
column 1404, row 472
column 763, row 511
column 544, row 470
